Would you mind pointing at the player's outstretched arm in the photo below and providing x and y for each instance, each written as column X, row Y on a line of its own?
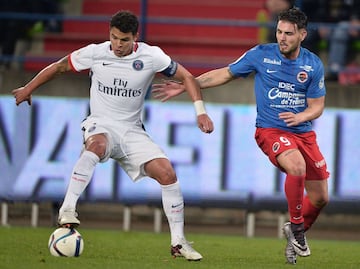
column 24, row 93
column 167, row 90
column 190, row 85
column 214, row 78
column 170, row 88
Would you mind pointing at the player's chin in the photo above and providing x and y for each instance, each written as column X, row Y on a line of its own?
column 286, row 52
column 119, row 53
column 284, row 49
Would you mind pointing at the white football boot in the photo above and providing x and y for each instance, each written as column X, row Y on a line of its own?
column 184, row 249
column 68, row 218
column 290, row 253
column 298, row 240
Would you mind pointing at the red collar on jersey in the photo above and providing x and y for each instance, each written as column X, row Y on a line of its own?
column 136, row 45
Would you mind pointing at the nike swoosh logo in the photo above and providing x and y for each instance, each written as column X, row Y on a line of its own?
column 78, row 174
column 302, row 248
column 270, row 71
column 105, row 64
column 173, row 206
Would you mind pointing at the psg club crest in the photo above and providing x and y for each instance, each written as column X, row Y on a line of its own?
column 138, row 65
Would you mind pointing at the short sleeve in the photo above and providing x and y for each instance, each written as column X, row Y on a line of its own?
column 161, row 60
column 82, row 58
column 245, row 64
column 317, row 86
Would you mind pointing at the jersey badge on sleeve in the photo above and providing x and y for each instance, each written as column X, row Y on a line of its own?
column 321, row 83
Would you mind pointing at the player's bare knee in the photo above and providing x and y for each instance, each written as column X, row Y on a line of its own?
column 322, row 201
column 296, row 167
column 98, row 146
column 318, row 199
column 167, row 177
column 296, row 170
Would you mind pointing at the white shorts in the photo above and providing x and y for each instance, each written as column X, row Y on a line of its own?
column 129, row 144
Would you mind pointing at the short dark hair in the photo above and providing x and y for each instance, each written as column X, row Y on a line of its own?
column 291, row 2
column 125, row 21
column 294, row 15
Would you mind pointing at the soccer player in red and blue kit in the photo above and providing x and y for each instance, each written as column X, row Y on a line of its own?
column 290, row 93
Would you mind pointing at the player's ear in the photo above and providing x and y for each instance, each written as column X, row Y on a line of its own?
column 136, row 36
column 303, row 34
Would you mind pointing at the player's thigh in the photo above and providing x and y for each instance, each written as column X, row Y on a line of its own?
column 292, row 161
column 98, row 138
column 139, row 149
column 316, row 167
column 274, row 142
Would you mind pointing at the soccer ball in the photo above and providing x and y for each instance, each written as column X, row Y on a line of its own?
column 66, row 242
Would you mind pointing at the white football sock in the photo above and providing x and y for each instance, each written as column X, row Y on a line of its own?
column 80, row 178
column 173, row 204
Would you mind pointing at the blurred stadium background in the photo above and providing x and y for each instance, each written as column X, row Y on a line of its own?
column 202, row 35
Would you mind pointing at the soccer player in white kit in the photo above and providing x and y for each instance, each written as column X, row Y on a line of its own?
column 121, row 72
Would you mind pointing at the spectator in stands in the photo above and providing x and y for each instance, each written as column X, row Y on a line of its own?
column 274, row 7
column 13, row 28
column 122, row 70
column 49, row 7
column 290, row 94
column 344, row 17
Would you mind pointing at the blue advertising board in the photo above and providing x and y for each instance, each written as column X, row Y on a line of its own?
column 39, row 145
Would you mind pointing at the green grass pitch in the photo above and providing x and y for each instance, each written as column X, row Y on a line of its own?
column 25, row 247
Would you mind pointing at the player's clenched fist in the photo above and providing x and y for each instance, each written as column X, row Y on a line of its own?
column 205, row 124
column 21, row 95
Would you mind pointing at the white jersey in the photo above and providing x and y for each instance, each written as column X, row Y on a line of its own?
column 119, row 84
